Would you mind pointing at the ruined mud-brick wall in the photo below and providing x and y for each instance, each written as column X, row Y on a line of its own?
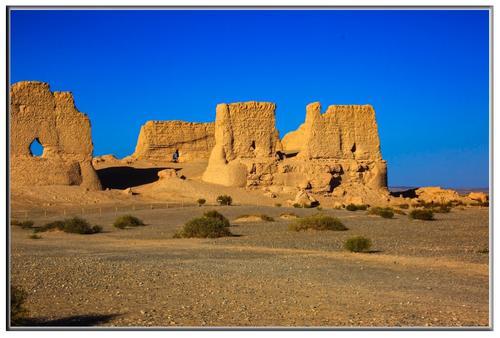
column 158, row 140
column 246, row 141
column 51, row 118
column 337, row 151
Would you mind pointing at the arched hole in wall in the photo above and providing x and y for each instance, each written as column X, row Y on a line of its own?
column 36, row 148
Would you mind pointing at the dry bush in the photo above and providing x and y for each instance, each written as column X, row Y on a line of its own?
column 317, row 222
column 203, row 227
column 127, row 221
column 358, row 244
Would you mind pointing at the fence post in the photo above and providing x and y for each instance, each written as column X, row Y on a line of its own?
column 167, row 205
column 25, row 215
column 116, row 210
column 151, row 206
column 100, row 211
column 45, row 213
column 83, row 211
column 64, row 212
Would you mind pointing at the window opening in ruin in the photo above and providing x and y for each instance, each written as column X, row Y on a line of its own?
column 36, row 148
column 353, row 149
column 252, row 146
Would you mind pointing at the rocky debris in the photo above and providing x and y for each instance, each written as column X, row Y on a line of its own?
column 158, row 140
column 478, row 196
column 108, row 159
column 129, row 191
column 436, row 195
column 304, row 199
column 51, row 118
column 167, row 174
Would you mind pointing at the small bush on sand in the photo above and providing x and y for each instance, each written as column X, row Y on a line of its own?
column 203, row 227
column 201, row 201
column 357, row 244
column 224, row 200
column 73, row 225
column 382, row 212
column 277, row 205
column 127, row 221
column 297, row 205
column 442, row 209
column 17, row 310
column 423, row 214
column 35, row 236
column 217, row 215
column 403, row 206
column 23, row 224
column 355, row 207
column 319, row 208
column 317, row 222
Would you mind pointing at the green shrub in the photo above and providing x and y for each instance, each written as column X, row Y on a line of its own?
column 297, row 205
column 382, row 212
column 17, row 310
column 423, row 214
column 403, row 206
column 357, row 244
column 127, row 221
column 277, row 205
column 217, row 215
column 201, row 201
column 73, row 225
column 203, row 227
column 224, row 200
column 355, row 207
column 442, row 209
column 23, row 224
column 35, row 236
column 317, row 222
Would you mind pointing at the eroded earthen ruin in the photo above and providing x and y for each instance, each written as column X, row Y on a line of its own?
column 336, row 153
column 158, row 140
column 38, row 115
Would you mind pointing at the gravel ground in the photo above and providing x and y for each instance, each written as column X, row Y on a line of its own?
column 419, row 273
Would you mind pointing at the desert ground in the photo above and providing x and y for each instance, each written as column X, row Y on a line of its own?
column 418, row 273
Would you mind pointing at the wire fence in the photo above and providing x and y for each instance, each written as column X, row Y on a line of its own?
column 94, row 210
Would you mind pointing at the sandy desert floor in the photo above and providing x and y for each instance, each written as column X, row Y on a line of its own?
column 433, row 273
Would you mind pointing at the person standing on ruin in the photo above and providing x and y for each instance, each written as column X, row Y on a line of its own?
column 175, row 156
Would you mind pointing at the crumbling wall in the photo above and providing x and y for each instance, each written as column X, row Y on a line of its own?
column 338, row 152
column 158, row 140
column 246, row 141
column 51, row 118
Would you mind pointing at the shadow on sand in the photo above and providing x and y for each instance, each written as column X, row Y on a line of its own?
column 127, row 177
column 80, row 320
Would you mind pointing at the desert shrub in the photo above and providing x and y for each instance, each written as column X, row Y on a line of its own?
column 35, row 236
column 73, row 225
column 277, row 205
column 403, row 206
column 263, row 217
column 203, row 227
column 357, row 244
column 423, row 214
column 319, row 208
column 442, row 209
column 224, row 200
column 355, row 207
column 297, row 205
column 317, row 222
column 23, row 224
column 382, row 212
column 201, row 201
column 127, row 221
column 217, row 215
column 17, row 310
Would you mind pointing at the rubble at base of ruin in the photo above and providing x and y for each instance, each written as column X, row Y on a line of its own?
column 50, row 118
column 336, row 153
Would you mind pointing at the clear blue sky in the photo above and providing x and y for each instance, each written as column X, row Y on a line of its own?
column 425, row 72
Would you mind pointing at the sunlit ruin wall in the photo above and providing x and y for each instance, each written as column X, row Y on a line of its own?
column 50, row 118
column 336, row 152
column 158, row 140
column 246, row 141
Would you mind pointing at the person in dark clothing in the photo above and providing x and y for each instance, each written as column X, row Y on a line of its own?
column 175, row 156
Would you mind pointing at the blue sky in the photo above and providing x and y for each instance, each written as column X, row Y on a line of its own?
column 425, row 72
